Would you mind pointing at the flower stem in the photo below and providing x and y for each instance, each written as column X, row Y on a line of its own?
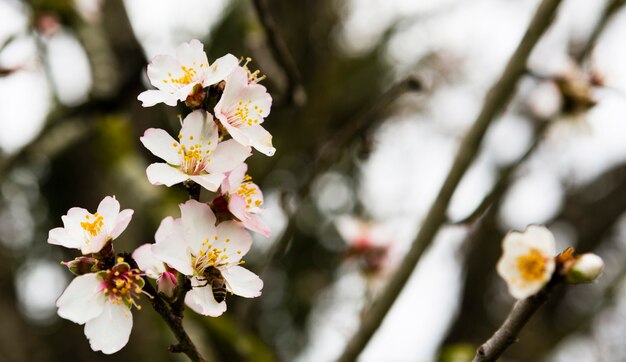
column 193, row 189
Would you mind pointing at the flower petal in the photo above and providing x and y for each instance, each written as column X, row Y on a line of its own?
column 152, row 97
column 260, row 139
column 234, row 237
column 82, row 300
column 171, row 248
column 161, row 70
column 210, row 181
column 199, row 130
column 235, row 178
column 162, row 145
column 109, row 208
column 109, row 332
column 198, row 222
column 220, row 69
column 192, row 55
column 147, row 262
column 200, row 299
column 95, row 244
column 164, row 174
column 122, row 221
column 60, row 236
column 243, row 282
column 228, row 156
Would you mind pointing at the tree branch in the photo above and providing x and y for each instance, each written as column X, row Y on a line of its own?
column 295, row 90
column 507, row 334
column 494, row 103
column 609, row 11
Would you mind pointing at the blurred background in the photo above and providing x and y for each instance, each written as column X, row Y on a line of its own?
column 369, row 108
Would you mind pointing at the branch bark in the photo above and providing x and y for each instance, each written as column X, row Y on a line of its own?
column 507, row 334
column 494, row 103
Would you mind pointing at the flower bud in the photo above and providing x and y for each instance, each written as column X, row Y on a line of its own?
column 82, row 265
column 167, row 284
column 587, row 268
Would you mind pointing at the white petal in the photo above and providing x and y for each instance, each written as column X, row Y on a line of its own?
column 198, row 222
column 210, row 181
column 171, row 247
column 235, row 178
column 192, row 55
column 236, row 82
column 94, row 244
column 152, row 97
column 260, row 139
column 220, row 69
column 72, row 221
column 60, row 236
column 162, row 145
column 164, row 174
column 255, row 223
column 201, row 300
column 235, row 238
column 147, row 262
column 122, row 221
column 109, row 332
column 243, row 282
column 109, row 208
column 82, row 300
column 199, row 129
column 228, row 156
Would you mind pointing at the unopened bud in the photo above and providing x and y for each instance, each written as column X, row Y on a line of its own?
column 587, row 268
column 167, row 284
column 82, row 265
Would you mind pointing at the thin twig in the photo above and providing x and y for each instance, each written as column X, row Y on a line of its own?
column 609, row 11
column 507, row 334
column 494, row 103
column 276, row 42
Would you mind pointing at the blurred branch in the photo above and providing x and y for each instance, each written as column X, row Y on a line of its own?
column 496, row 100
column 295, row 91
column 507, row 334
column 330, row 150
column 504, row 179
column 610, row 10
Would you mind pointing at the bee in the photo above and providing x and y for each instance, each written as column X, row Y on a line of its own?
column 213, row 277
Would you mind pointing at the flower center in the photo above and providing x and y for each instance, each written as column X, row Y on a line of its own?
column 532, row 266
column 240, row 115
column 209, row 256
column 195, row 158
column 246, row 191
column 189, row 75
column 93, row 224
column 122, row 284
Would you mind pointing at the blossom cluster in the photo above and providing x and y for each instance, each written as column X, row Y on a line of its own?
column 197, row 256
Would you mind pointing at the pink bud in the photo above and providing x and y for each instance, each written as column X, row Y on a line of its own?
column 167, row 284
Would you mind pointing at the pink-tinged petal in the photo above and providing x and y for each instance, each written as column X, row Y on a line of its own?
column 147, row 262
column 109, row 332
column 167, row 284
column 152, row 97
column 95, row 244
column 82, row 300
column 237, row 206
column 235, row 238
column 228, row 156
column 260, row 139
column 162, row 145
column 243, row 282
column 162, row 69
column 255, row 223
column 122, row 221
column 200, row 299
column 209, row 181
column 259, row 99
column 192, row 55
column 220, row 69
column 164, row 174
column 60, row 236
column 235, row 177
column 198, row 222
column 109, row 208
column 199, row 129
column 171, row 247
